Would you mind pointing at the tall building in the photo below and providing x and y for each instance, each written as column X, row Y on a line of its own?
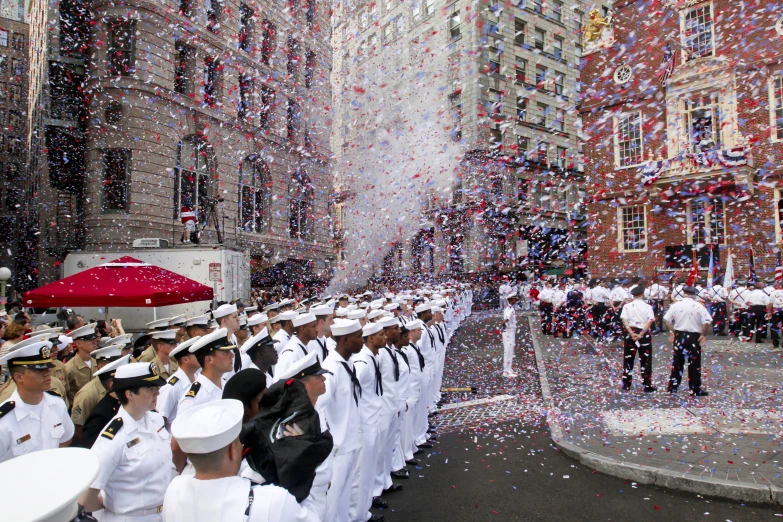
column 146, row 112
column 684, row 109
column 511, row 94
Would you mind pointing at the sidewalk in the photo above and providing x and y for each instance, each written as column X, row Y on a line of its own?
column 726, row 445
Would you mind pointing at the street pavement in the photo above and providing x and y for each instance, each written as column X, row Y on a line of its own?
column 494, row 459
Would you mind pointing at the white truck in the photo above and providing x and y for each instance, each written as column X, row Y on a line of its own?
column 226, row 271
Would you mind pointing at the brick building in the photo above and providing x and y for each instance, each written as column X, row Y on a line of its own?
column 682, row 108
column 145, row 109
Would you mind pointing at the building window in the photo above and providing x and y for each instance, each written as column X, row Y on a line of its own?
column 560, row 159
column 523, row 145
column 292, row 118
column 519, row 32
column 245, row 109
column 268, row 41
column 184, row 8
column 3, row 91
column 74, row 27
column 520, row 72
column 495, row 138
column 3, row 38
column 18, row 41
column 17, row 64
column 455, row 100
column 65, row 92
column 16, row 147
column 15, row 93
column 183, row 70
column 265, row 110
column 543, row 113
column 300, row 192
column 698, row 32
column 3, row 64
column 495, row 104
column 363, row 20
column 254, row 183
column 538, row 6
column 116, row 179
column 14, row 120
column 494, row 61
column 293, row 57
column 373, row 12
column 214, row 14
column 776, row 107
column 454, row 26
column 707, row 220
column 309, row 68
column 557, row 10
column 521, row 108
column 628, row 139
column 557, row 47
column 632, row 225
column 193, row 172
column 122, row 47
column 541, row 77
column 430, row 6
column 559, row 84
column 400, row 25
column 211, row 79
column 540, row 36
column 560, row 120
column 246, row 24
column 310, row 14
column 702, row 116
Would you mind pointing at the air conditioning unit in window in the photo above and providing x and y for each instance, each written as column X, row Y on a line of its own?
column 151, row 242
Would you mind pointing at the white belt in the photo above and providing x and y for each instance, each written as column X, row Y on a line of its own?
column 139, row 512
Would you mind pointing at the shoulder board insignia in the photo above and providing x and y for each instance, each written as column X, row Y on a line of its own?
column 52, row 392
column 173, row 380
column 194, row 388
column 112, row 429
column 7, row 407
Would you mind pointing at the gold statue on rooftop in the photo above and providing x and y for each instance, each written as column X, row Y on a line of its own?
column 595, row 26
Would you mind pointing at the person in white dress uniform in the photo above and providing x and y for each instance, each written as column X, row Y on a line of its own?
column 209, row 435
column 178, row 384
column 509, row 335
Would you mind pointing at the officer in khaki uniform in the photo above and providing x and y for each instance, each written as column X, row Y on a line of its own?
column 92, row 392
column 80, row 369
column 163, row 342
column 88, row 397
column 155, row 326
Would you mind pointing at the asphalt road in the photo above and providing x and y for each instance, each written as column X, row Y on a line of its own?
column 508, row 469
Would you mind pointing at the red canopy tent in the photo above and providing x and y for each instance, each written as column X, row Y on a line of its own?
column 125, row 282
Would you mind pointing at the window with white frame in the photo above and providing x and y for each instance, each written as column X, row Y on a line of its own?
column 430, row 5
column 628, row 140
column 776, row 107
column 253, row 195
column 632, row 228
column 707, row 222
column 778, row 215
column 698, row 32
column 702, row 117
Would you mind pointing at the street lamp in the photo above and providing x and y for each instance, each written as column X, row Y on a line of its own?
column 5, row 275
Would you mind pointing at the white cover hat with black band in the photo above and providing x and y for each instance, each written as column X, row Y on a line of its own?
column 208, row 427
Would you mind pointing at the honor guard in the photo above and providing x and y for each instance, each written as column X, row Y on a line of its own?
column 687, row 321
column 33, row 418
column 637, row 317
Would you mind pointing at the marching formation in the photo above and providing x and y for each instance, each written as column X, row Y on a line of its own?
column 307, row 410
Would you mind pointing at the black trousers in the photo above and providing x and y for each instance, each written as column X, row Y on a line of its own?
column 735, row 323
column 746, row 323
column 617, row 323
column 775, row 326
column 758, row 322
column 719, row 318
column 644, row 347
column 598, row 320
column 686, row 348
column 546, row 317
column 657, row 307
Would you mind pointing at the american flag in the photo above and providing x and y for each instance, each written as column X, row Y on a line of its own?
column 778, row 270
column 669, row 59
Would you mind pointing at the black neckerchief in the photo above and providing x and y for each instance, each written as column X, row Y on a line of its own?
column 421, row 357
column 354, row 381
column 432, row 337
column 396, row 363
column 324, row 350
column 303, row 348
column 378, row 379
column 404, row 358
column 441, row 335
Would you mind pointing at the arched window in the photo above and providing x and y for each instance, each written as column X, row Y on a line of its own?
column 254, row 182
column 300, row 193
column 194, row 167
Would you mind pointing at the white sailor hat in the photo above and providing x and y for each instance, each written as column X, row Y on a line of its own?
column 182, row 349
column 345, row 327
column 257, row 319
column 416, row 323
column 224, row 310
column 217, row 340
column 36, row 338
column 375, row 313
column 423, row 307
column 137, row 375
column 199, row 320
column 273, row 306
column 436, row 309
column 72, row 469
column 352, row 299
column 108, row 353
column 308, row 365
column 371, row 328
column 406, row 297
column 250, row 309
column 341, row 312
column 62, row 342
column 389, row 322
column 258, row 341
column 110, row 369
column 36, row 355
column 377, row 304
column 85, row 333
column 159, row 324
column 322, row 309
column 356, row 314
column 303, row 319
column 285, row 302
column 364, row 304
column 165, row 335
column 177, row 320
column 55, row 331
column 388, row 295
column 440, row 302
column 243, row 321
column 120, row 340
column 208, row 427
column 290, row 315
column 390, row 307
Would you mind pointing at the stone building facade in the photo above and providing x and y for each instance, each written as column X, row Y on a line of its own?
column 151, row 110
column 683, row 109
column 511, row 94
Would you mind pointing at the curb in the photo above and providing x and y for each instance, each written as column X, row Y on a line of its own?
column 649, row 475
